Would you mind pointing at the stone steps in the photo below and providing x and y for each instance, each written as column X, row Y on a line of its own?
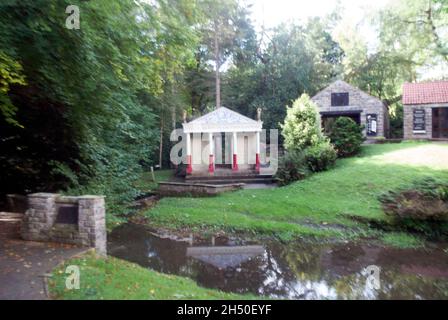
column 195, row 188
column 236, row 181
column 10, row 225
column 233, row 178
column 246, row 180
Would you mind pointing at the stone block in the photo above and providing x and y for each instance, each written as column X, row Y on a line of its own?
column 39, row 221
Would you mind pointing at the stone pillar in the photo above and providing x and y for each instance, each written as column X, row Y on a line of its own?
column 235, row 152
column 40, row 216
column 189, row 163
column 211, row 165
column 257, row 155
column 92, row 223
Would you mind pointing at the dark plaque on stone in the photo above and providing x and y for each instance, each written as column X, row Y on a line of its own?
column 372, row 124
column 419, row 120
column 67, row 213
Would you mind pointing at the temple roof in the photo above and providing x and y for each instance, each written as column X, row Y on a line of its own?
column 222, row 120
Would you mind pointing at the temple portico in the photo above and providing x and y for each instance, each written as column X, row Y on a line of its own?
column 222, row 140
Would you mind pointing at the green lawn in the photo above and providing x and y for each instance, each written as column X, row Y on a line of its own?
column 325, row 199
column 115, row 279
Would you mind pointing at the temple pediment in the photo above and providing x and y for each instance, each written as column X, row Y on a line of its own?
column 222, row 120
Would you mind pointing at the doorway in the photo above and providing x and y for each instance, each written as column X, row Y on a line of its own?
column 222, row 150
column 327, row 120
column 440, row 123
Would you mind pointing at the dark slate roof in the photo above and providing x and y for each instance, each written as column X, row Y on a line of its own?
column 425, row 92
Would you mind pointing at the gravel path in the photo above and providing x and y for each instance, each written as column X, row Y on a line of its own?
column 24, row 264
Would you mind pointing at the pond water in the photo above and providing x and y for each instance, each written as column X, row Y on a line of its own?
column 293, row 271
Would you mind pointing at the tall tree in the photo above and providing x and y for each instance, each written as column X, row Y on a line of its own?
column 298, row 59
column 417, row 27
column 218, row 31
column 86, row 125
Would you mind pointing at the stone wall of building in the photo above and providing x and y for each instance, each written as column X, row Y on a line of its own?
column 358, row 100
column 408, row 122
column 89, row 229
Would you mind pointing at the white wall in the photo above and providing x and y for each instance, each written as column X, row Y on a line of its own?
column 200, row 150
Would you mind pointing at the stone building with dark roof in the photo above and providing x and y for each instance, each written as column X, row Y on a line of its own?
column 341, row 99
column 425, row 110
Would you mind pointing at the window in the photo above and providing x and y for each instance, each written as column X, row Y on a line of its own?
column 339, row 99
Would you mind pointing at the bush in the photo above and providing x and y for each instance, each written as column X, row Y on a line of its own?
column 301, row 128
column 292, row 167
column 308, row 149
column 396, row 121
column 426, row 200
column 423, row 208
column 321, row 156
column 346, row 136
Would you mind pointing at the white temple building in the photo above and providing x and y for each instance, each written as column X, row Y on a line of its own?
column 222, row 140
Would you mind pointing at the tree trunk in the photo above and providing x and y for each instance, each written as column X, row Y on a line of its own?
column 173, row 118
column 217, row 76
column 173, row 111
column 161, row 143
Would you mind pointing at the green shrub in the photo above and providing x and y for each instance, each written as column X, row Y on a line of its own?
column 321, row 156
column 292, row 167
column 346, row 136
column 421, row 208
column 301, row 128
column 426, row 200
column 396, row 121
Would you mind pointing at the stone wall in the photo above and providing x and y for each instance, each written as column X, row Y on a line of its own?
column 195, row 189
column 10, row 225
column 408, row 121
column 358, row 100
column 40, row 221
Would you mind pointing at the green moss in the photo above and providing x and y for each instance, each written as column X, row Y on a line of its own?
column 112, row 279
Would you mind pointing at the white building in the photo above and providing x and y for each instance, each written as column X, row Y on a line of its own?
column 223, row 140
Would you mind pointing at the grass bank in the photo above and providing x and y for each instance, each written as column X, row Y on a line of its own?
column 321, row 206
column 115, row 279
column 146, row 184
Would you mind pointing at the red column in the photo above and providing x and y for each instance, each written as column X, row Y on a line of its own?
column 235, row 162
column 235, row 152
column 189, row 166
column 211, row 166
column 189, row 163
column 257, row 155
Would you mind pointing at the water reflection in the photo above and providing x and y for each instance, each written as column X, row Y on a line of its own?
column 298, row 271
